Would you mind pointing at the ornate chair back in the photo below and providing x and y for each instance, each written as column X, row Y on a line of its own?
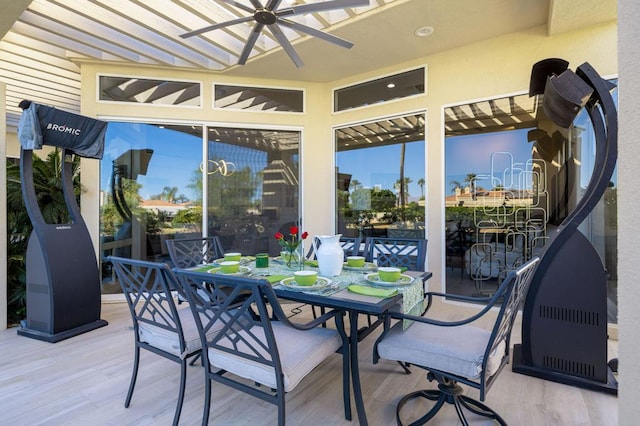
column 457, row 351
column 407, row 253
column 158, row 325
column 190, row 252
column 253, row 343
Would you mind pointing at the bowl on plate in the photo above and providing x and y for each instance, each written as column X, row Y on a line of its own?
column 389, row 273
column 232, row 256
column 305, row 278
column 229, row 266
column 355, row 261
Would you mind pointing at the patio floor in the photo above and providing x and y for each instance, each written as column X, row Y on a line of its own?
column 84, row 380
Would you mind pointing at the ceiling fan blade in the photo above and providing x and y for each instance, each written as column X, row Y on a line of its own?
column 319, row 7
column 256, row 4
column 251, row 41
column 239, row 5
column 316, row 33
column 273, row 4
column 286, row 45
column 217, row 26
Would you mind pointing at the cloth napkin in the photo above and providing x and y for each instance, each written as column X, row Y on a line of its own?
column 371, row 291
column 311, row 263
column 274, row 279
column 206, row 268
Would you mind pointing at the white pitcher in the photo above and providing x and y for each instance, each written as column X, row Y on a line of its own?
column 329, row 253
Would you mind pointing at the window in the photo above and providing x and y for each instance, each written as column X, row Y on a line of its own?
column 380, row 169
column 258, row 98
column 149, row 190
column 509, row 181
column 153, row 188
column 495, row 206
column 149, row 91
column 401, row 85
column 252, row 187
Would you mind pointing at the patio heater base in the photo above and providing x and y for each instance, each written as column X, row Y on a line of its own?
column 610, row 387
column 56, row 337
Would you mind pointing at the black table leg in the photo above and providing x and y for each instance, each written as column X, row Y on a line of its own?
column 355, row 371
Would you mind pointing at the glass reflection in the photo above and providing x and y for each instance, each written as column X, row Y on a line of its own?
column 380, row 178
column 147, row 191
column 252, row 187
column 511, row 178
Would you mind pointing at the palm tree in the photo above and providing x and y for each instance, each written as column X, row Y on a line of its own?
column 169, row 193
column 403, row 149
column 455, row 184
column 421, row 184
column 471, row 180
column 355, row 184
column 402, row 185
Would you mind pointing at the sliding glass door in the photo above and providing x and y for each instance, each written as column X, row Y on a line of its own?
column 155, row 185
column 380, row 178
column 252, row 187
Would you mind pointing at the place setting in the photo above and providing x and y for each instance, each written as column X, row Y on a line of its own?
column 234, row 257
column 307, row 281
column 230, row 264
column 388, row 276
column 358, row 263
column 229, row 267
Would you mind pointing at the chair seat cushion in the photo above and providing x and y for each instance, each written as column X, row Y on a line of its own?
column 457, row 350
column 300, row 352
column 168, row 341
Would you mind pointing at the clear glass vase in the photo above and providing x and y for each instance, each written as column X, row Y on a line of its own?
column 294, row 259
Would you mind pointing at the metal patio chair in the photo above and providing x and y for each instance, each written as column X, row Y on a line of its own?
column 158, row 325
column 190, row 252
column 454, row 352
column 407, row 253
column 275, row 354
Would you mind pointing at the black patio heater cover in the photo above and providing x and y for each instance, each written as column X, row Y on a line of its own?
column 564, row 318
column 62, row 277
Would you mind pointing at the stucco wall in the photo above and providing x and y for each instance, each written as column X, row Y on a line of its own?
column 492, row 68
column 495, row 67
column 628, row 208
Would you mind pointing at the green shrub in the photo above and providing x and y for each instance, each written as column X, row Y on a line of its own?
column 47, row 178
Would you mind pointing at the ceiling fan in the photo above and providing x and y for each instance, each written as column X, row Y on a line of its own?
column 272, row 17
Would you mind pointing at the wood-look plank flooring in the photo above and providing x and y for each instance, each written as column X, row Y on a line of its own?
column 84, row 380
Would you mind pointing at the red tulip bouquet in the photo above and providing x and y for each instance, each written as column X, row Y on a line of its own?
column 290, row 245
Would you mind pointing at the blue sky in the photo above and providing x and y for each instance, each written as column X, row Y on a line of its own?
column 172, row 150
column 378, row 166
column 381, row 165
column 472, row 154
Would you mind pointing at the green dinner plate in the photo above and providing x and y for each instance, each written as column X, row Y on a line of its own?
column 374, row 278
column 368, row 267
column 244, row 270
column 320, row 284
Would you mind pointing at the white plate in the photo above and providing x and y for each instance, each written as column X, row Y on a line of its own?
column 368, row 266
column 320, row 284
column 244, row 270
column 375, row 279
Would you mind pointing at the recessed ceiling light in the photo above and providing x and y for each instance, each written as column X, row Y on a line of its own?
column 391, row 85
column 423, row 31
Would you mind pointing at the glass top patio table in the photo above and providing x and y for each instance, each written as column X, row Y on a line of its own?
column 412, row 294
column 409, row 298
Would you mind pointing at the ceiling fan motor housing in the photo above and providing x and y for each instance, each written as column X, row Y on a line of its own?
column 265, row 16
